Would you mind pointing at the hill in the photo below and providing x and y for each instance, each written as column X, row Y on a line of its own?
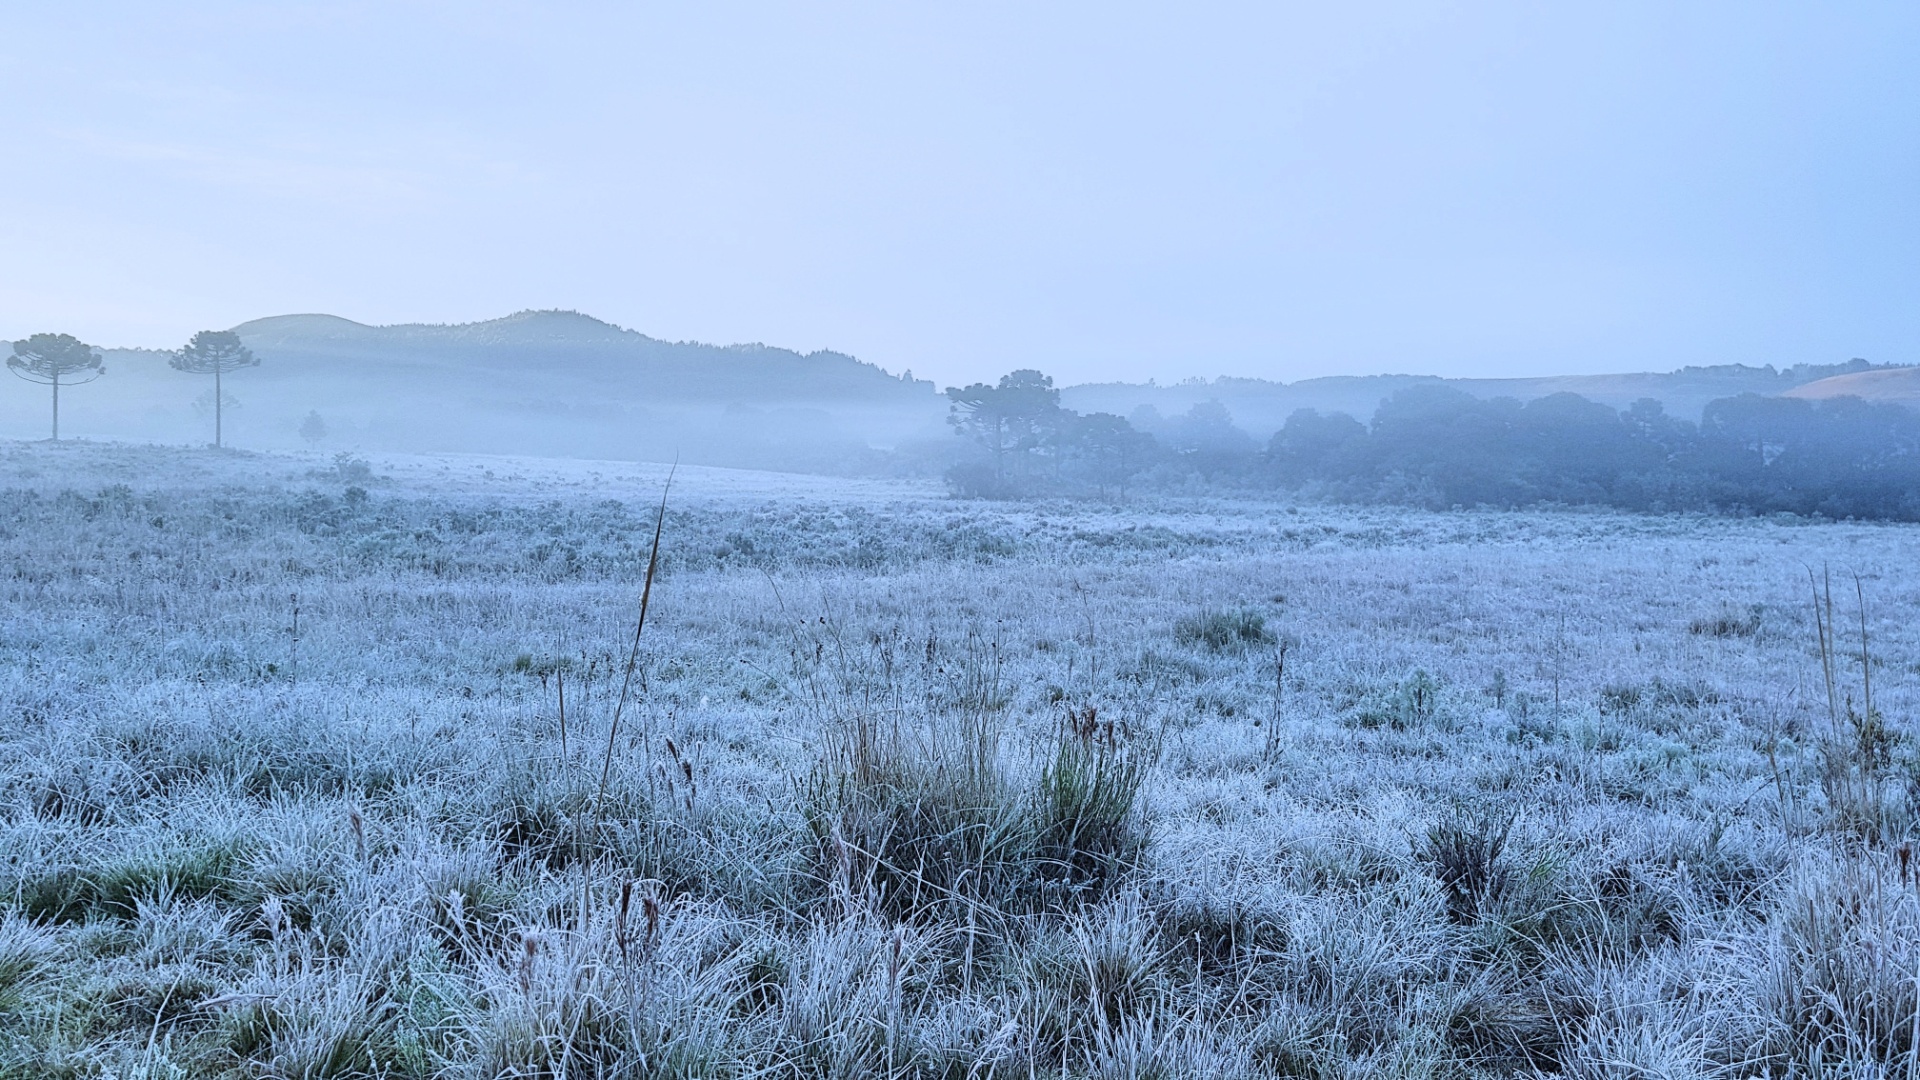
column 553, row 383
column 559, row 353
column 1899, row 386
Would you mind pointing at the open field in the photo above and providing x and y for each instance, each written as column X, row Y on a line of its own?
column 911, row 786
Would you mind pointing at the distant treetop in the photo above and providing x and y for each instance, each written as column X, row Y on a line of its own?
column 214, row 352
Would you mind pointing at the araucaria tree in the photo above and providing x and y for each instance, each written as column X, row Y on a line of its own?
column 1014, row 418
column 214, row 352
column 53, row 360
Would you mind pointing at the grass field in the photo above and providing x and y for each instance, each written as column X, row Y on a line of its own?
column 910, row 786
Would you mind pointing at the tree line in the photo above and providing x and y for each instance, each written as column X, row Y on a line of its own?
column 1429, row 445
column 1439, row 447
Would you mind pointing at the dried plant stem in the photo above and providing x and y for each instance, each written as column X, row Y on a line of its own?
column 633, row 653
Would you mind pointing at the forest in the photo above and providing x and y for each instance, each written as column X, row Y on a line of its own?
column 1438, row 447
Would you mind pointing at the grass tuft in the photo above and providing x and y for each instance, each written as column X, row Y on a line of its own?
column 1464, row 854
column 1223, row 631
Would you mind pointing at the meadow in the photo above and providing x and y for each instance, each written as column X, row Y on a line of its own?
column 321, row 767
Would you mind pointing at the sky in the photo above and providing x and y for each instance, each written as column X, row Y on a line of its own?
column 1104, row 191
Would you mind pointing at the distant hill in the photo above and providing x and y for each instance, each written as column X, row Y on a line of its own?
column 1900, row 386
column 537, row 382
column 559, row 353
column 1261, row 406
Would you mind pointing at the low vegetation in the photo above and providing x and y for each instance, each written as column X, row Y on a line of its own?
column 312, row 769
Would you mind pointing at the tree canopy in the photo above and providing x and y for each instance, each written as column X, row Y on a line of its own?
column 51, row 358
column 214, row 352
column 1015, row 417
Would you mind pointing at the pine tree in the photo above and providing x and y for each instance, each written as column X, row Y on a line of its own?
column 1014, row 418
column 53, row 360
column 214, row 352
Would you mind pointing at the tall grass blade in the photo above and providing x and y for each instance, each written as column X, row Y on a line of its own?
column 633, row 652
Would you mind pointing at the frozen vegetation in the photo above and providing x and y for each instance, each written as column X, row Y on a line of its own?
column 905, row 785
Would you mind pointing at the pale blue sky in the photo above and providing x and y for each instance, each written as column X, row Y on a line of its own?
column 1101, row 190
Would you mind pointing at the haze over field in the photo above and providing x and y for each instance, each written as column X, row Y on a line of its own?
column 532, row 383
column 562, row 382
column 1238, row 541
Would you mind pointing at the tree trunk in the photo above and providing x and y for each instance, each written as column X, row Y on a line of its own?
column 216, row 408
column 56, row 406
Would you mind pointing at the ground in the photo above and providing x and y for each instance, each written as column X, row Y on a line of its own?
column 902, row 785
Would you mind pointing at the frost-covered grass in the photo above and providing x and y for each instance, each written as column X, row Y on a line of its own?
column 907, row 786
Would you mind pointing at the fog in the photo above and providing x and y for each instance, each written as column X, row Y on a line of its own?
column 535, row 383
column 749, row 541
column 1806, row 439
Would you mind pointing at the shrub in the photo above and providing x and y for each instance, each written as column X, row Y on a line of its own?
column 1412, row 705
column 971, row 480
column 1418, row 700
column 351, row 468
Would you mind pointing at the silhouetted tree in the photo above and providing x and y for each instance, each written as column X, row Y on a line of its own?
column 53, row 359
column 1647, row 422
column 1207, row 427
column 1206, row 438
column 313, row 429
column 1754, row 429
column 214, row 352
column 1844, row 457
column 1150, row 420
column 1439, row 446
column 1316, row 446
column 1572, row 450
column 1017, row 416
column 1109, row 448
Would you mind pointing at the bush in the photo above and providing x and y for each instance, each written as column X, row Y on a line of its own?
column 979, row 481
column 1412, row 705
column 351, row 468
